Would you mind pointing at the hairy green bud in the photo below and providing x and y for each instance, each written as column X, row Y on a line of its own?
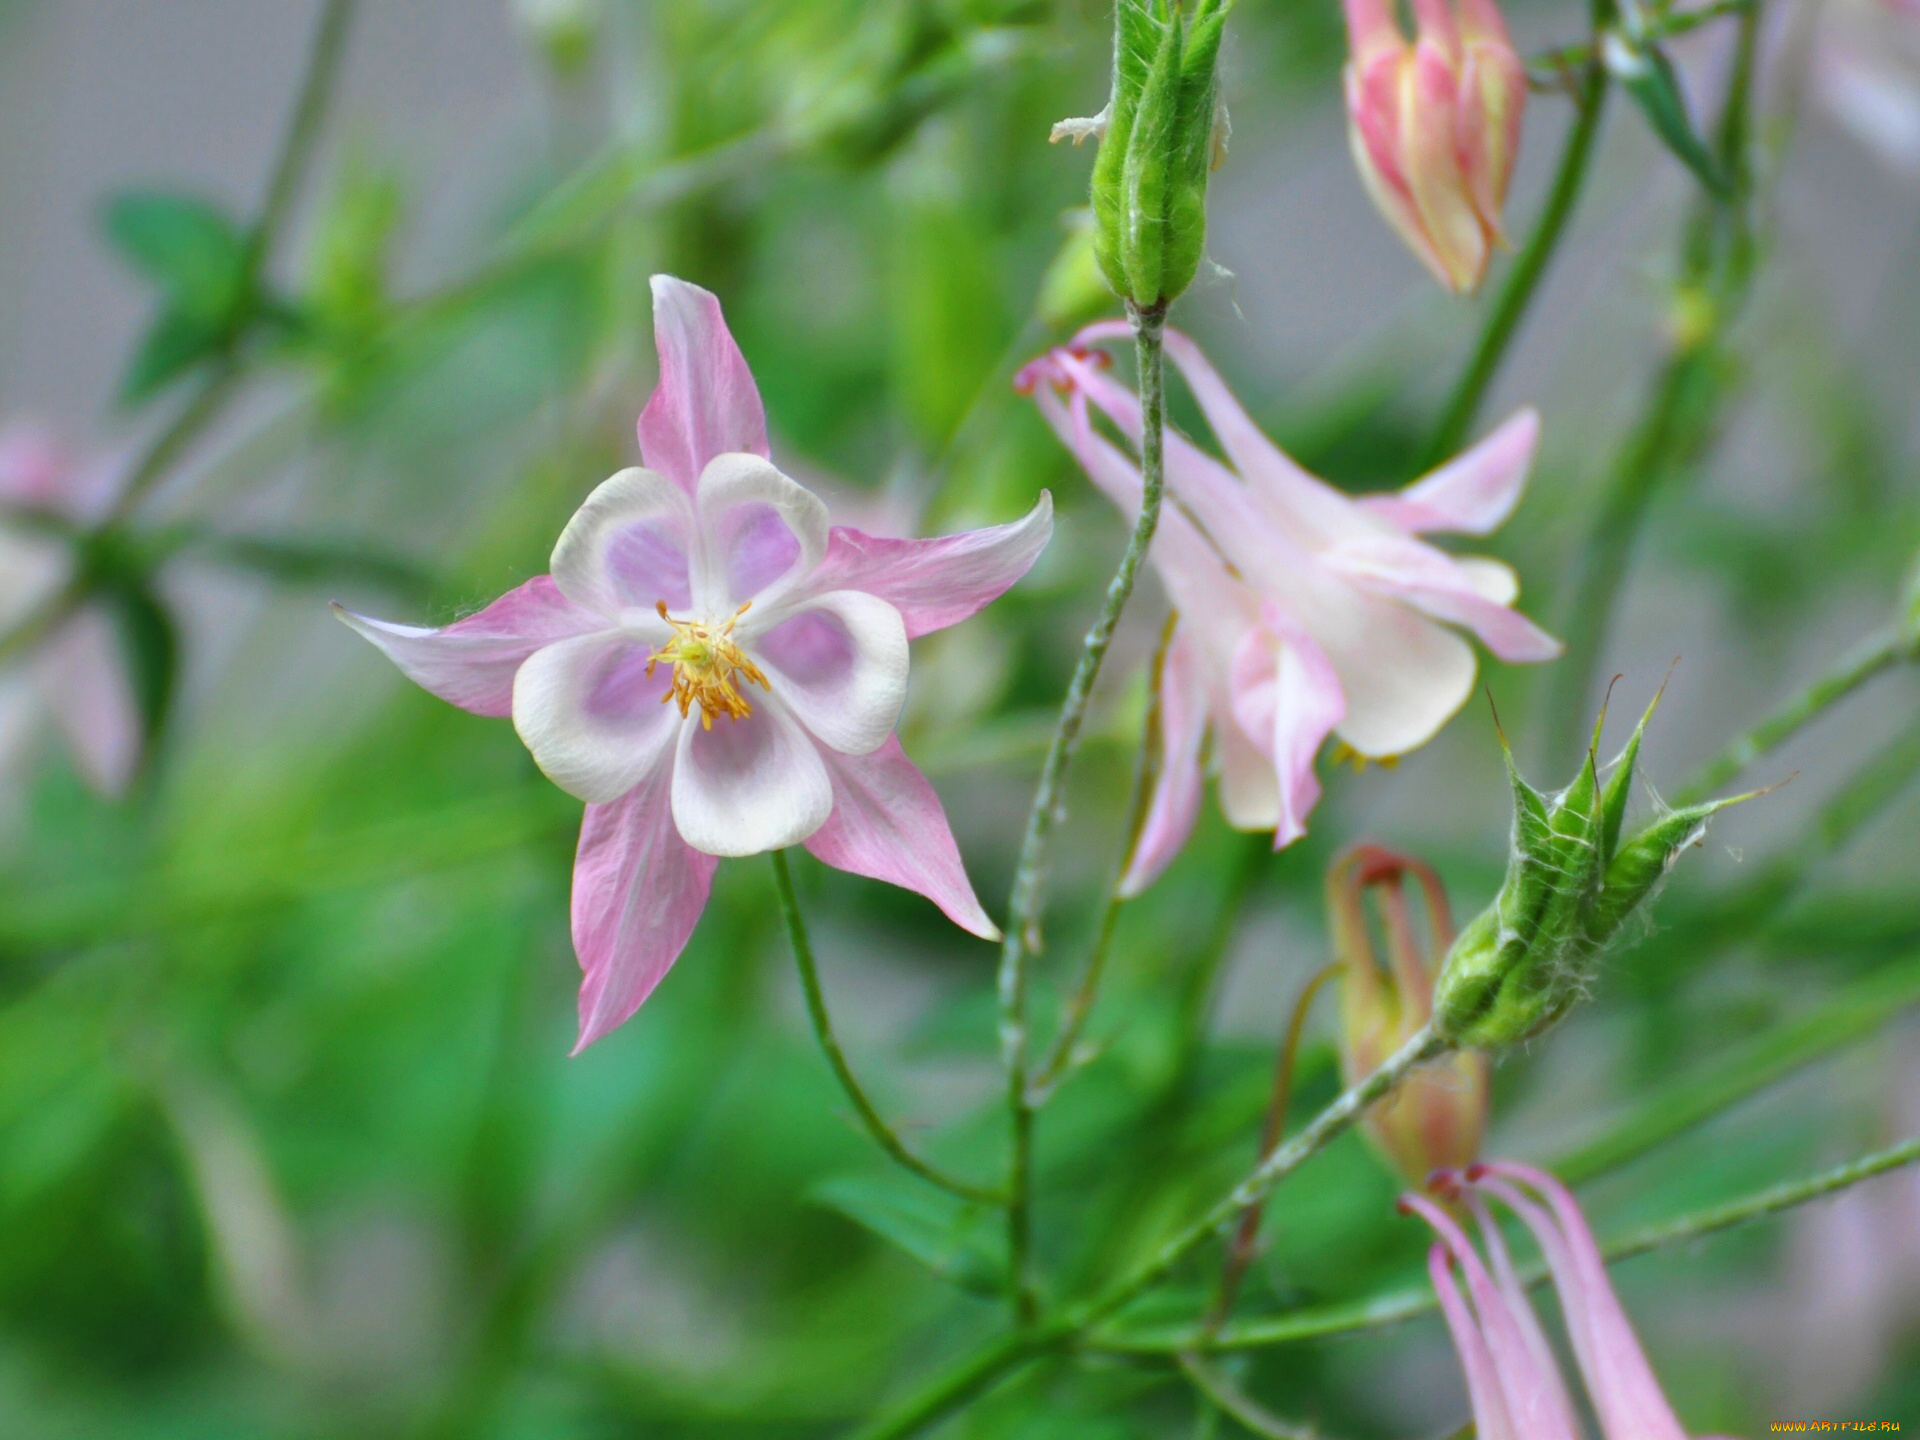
column 1156, row 147
column 1572, row 883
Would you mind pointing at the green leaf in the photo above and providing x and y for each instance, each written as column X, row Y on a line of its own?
column 152, row 644
column 190, row 249
column 1646, row 74
column 174, row 344
column 959, row 1241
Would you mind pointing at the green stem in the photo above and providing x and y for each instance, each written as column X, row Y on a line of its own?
column 1523, row 278
column 317, row 88
column 1865, row 662
column 1049, row 801
column 882, row 1133
column 961, row 1382
column 1060, row 1054
column 1386, row 1310
column 1242, row 1408
column 1327, row 1126
column 1546, row 63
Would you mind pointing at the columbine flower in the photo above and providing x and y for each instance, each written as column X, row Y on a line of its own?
column 1303, row 612
column 1513, row 1379
column 76, row 670
column 1867, row 75
column 1434, row 1121
column 715, row 671
column 1435, row 126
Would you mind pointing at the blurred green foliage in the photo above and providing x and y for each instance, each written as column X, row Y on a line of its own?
column 289, row 1142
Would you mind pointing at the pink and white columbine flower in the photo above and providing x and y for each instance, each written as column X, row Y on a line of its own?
column 715, row 671
column 1303, row 612
column 1513, row 1380
column 76, row 673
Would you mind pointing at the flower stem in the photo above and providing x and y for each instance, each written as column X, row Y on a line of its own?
column 1402, row 1305
column 1717, row 256
column 883, row 1134
column 1049, row 804
column 1523, row 277
column 290, row 165
column 1060, row 1054
column 1866, row 661
column 1246, row 1412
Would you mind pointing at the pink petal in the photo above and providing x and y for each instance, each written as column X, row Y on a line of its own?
column 33, row 466
column 1287, row 699
column 1490, row 1419
column 1532, row 1398
column 638, row 889
column 936, row 583
column 887, row 824
column 1620, row 1382
column 706, row 403
column 471, row 663
column 1433, row 583
column 1473, row 493
column 1176, row 790
column 1545, row 1364
column 83, row 671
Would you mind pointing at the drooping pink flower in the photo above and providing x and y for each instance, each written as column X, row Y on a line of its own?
column 76, row 672
column 1303, row 612
column 1435, row 126
column 716, row 671
column 1513, row 1378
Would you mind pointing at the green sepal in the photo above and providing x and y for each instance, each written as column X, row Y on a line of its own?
column 1619, row 789
column 1644, row 861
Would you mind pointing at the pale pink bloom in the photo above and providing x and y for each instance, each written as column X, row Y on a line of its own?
column 1513, row 1377
column 1435, row 126
column 1867, row 74
column 1303, row 612
column 715, row 671
column 76, row 674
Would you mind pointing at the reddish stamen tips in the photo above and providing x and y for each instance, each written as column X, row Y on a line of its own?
column 1476, row 1172
column 1444, row 1182
column 1404, row 1205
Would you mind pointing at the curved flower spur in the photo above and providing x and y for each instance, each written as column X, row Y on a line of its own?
column 716, row 671
column 1304, row 612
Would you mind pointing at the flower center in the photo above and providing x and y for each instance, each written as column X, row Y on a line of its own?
column 705, row 661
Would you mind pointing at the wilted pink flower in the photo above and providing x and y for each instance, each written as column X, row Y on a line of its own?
column 1867, row 74
column 1303, row 612
column 1513, row 1378
column 76, row 672
column 1435, row 126
column 715, row 671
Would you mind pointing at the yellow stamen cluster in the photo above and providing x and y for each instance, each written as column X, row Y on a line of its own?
column 705, row 661
column 1344, row 754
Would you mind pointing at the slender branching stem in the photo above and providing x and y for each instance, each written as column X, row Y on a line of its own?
column 1049, row 801
column 882, row 1133
column 1246, row 1412
column 1392, row 1309
column 1863, row 663
column 1529, row 266
column 1716, row 272
column 318, row 86
column 1556, row 62
column 1060, row 1055
column 1247, row 1233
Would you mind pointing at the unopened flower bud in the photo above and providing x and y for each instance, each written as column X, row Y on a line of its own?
column 1436, row 1118
column 1572, row 883
column 1156, row 147
column 1435, row 127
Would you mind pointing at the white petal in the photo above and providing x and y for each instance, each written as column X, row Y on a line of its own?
column 591, row 715
column 749, row 785
column 626, row 549
column 840, row 664
column 759, row 533
column 1249, row 791
column 1404, row 676
column 1493, row 579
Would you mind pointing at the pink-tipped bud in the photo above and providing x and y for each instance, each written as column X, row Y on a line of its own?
column 1435, row 127
column 1432, row 1127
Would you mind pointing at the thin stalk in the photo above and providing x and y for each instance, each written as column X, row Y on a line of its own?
column 962, row 1382
column 1872, row 658
column 1664, row 27
column 1146, row 771
column 1239, row 1406
column 1523, row 277
column 883, row 1134
column 1393, row 1309
column 1240, row 1253
column 1716, row 274
column 317, row 88
column 1328, row 1125
column 1049, row 804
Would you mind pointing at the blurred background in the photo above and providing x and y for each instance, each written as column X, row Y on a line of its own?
column 289, row 1139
